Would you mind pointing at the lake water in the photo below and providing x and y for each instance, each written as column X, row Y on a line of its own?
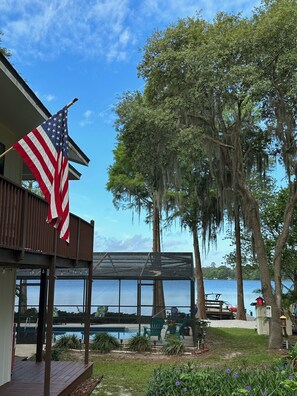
column 111, row 293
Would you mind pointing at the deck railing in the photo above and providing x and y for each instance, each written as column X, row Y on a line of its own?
column 23, row 226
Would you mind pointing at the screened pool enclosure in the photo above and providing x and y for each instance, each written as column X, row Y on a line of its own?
column 122, row 289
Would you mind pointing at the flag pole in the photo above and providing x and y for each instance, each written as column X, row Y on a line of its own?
column 10, row 148
column 71, row 103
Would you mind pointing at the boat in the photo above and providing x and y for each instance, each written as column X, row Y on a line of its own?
column 216, row 308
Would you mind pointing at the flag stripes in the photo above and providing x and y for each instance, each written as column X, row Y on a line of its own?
column 45, row 151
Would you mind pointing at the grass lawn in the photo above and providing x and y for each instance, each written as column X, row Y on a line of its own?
column 228, row 348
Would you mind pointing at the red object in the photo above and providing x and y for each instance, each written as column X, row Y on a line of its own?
column 230, row 307
column 45, row 151
column 259, row 301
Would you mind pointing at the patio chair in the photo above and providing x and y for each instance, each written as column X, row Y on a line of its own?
column 186, row 324
column 155, row 328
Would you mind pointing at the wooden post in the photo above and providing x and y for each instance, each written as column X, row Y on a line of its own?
column 49, row 326
column 88, row 313
column 88, row 306
column 192, row 284
column 41, row 315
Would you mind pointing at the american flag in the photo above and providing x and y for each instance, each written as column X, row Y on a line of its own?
column 45, row 151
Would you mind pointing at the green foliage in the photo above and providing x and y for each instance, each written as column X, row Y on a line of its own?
column 227, row 272
column 292, row 356
column 32, row 186
column 189, row 379
column 139, row 343
column 173, row 346
column 104, row 343
column 3, row 50
column 200, row 330
column 56, row 354
column 70, row 341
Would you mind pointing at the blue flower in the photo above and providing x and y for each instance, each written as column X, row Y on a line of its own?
column 228, row 371
column 235, row 374
column 248, row 387
column 291, row 377
column 177, row 383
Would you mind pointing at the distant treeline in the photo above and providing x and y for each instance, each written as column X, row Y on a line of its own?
column 224, row 272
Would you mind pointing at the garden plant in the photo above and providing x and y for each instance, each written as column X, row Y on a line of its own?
column 189, row 379
column 139, row 343
column 104, row 343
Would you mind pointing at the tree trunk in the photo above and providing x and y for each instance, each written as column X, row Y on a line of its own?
column 241, row 315
column 158, row 292
column 251, row 213
column 281, row 241
column 199, row 278
column 275, row 337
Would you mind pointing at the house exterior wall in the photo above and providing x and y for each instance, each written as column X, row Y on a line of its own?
column 12, row 170
column 7, row 295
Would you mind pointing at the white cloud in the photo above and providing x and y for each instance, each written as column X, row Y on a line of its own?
column 135, row 243
column 87, row 118
column 108, row 28
column 49, row 98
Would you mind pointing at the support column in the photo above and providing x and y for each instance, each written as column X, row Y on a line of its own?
column 7, row 296
column 88, row 313
column 193, row 310
column 41, row 315
column 49, row 326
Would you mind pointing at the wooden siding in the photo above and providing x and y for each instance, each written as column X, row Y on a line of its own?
column 23, row 226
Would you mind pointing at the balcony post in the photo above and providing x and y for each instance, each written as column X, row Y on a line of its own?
column 41, row 315
column 50, row 313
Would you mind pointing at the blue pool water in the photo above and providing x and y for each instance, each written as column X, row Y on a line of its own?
column 119, row 335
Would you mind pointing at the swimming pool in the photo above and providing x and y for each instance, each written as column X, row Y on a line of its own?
column 121, row 333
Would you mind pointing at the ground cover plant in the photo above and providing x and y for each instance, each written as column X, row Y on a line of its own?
column 191, row 380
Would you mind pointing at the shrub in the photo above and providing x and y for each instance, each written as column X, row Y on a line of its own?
column 139, row 343
column 56, row 354
column 104, row 343
column 189, row 379
column 173, row 346
column 70, row 341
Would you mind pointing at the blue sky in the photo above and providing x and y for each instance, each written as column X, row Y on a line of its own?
column 90, row 49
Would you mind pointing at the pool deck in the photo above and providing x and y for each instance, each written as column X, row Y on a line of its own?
column 27, row 350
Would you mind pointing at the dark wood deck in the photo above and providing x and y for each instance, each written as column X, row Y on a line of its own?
column 28, row 378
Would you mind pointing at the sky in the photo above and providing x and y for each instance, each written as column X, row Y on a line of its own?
column 90, row 49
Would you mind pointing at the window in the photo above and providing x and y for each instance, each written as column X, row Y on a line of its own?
column 2, row 159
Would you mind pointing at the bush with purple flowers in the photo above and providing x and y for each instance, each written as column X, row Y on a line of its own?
column 188, row 379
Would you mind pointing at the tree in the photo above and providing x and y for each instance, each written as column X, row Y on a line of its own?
column 217, row 78
column 3, row 50
column 143, row 142
column 195, row 204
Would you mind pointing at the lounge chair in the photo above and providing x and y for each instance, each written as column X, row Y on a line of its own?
column 155, row 328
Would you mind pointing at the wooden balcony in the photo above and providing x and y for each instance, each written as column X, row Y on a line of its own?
column 26, row 238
